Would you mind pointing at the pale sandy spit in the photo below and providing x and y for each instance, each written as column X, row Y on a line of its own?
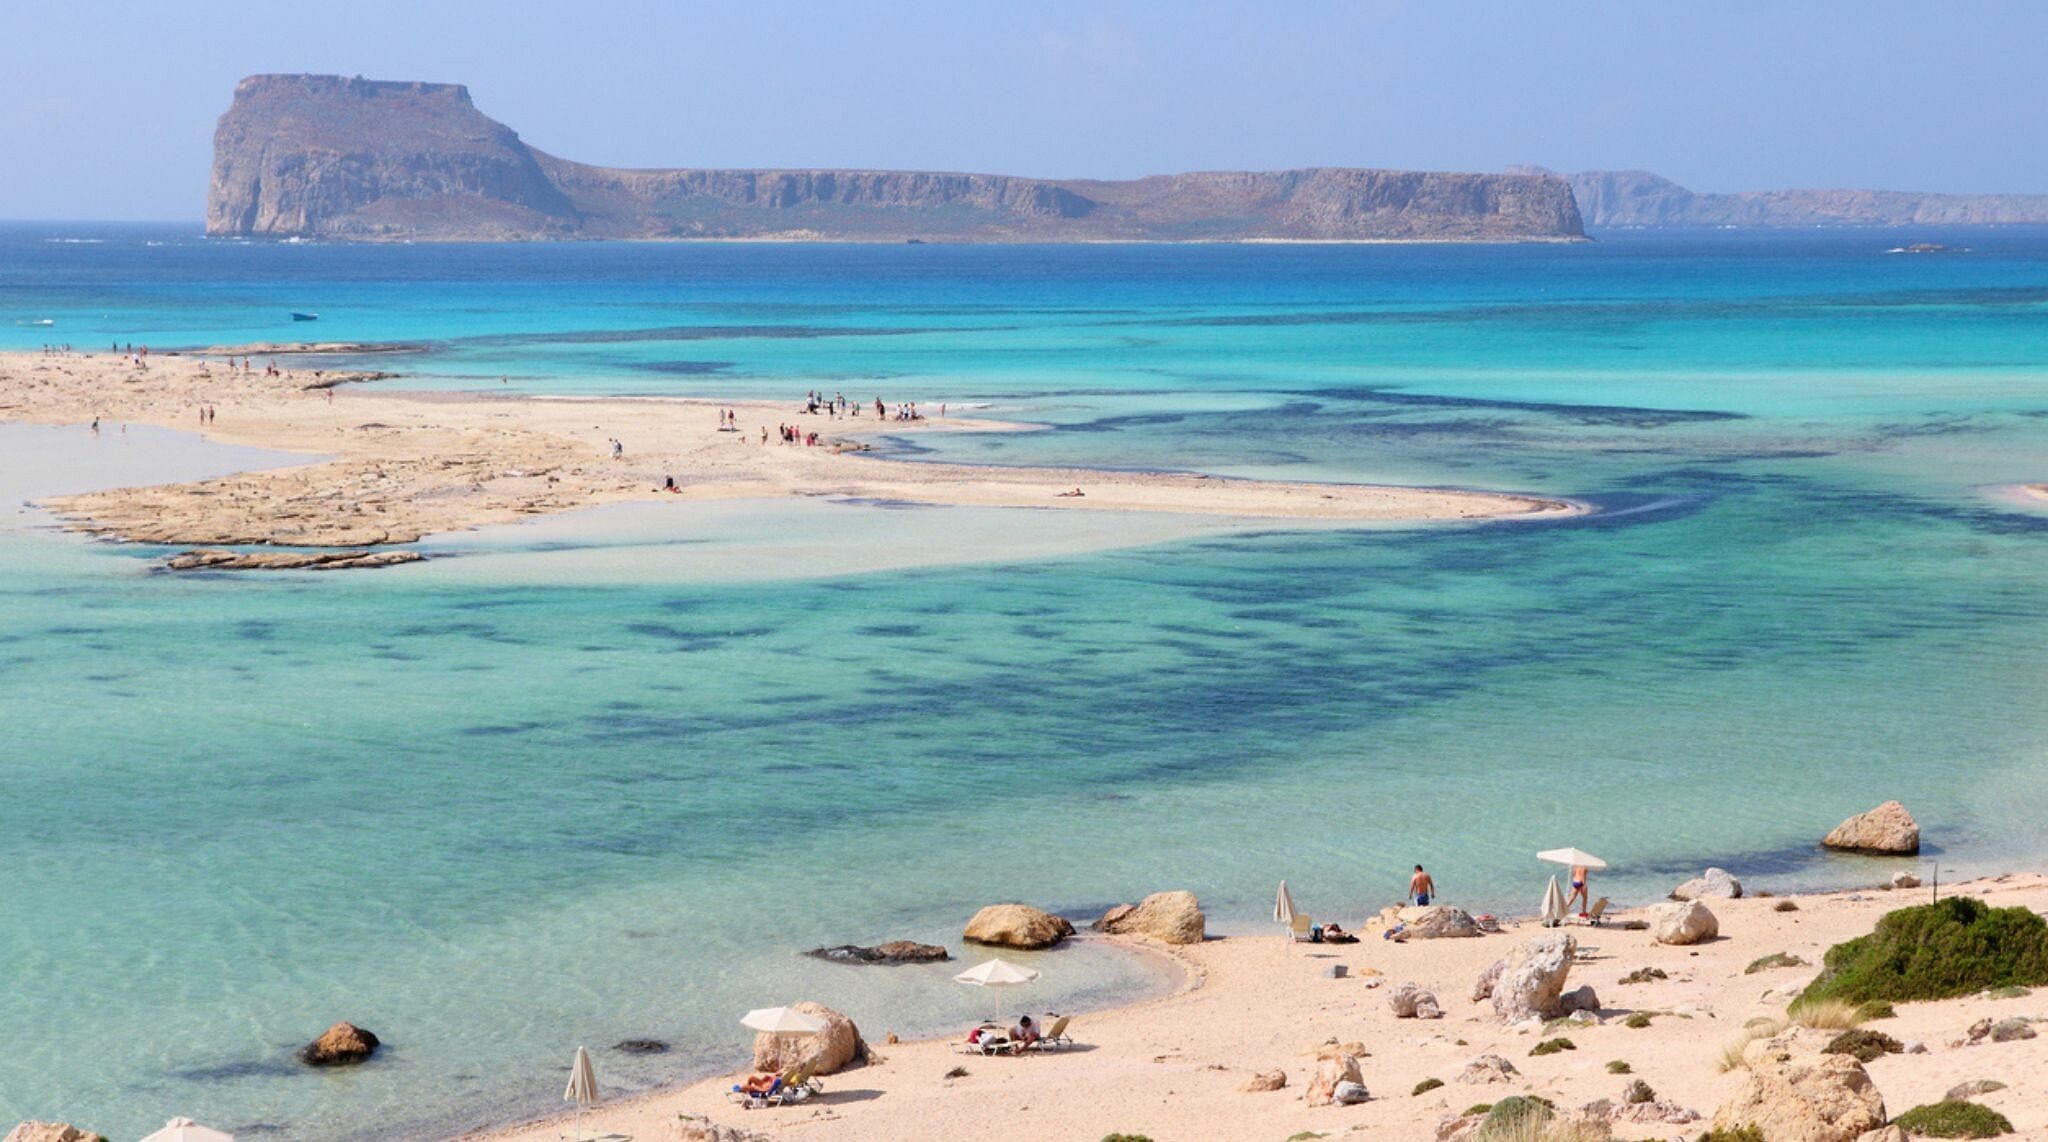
column 1172, row 1068
column 391, row 467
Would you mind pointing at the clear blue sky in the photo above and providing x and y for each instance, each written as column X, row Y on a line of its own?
column 107, row 109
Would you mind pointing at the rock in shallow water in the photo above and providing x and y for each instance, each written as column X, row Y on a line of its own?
column 889, row 953
column 221, row 559
column 1887, row 830
column 1169, row 917
column 33, row 1131
column 341, row 1045
column 1017, row 926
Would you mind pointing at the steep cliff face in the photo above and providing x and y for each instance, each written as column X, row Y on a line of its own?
column 352, row 158
column 1642, row 199
column 323, row 155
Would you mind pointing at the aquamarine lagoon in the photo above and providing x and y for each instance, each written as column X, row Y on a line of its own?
column 605, row 776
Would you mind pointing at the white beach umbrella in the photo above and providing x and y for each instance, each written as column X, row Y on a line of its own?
column 782, row 1021
column 995, row 973
column 1571, row 858
column 186, row 1130
column 582, row 1085
column 1553, row 904
column 1283, row 906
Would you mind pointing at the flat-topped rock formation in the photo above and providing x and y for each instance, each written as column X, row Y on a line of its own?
column 325, row 156
column 1641, row 199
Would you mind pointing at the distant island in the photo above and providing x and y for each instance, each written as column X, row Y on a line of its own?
column 332, row 157
column 1619, row 199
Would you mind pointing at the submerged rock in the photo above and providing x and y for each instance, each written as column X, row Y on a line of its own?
column 341, row 1045
column 34, row 1131
column 889, row 953
column 221, row 559
column 640, row 1047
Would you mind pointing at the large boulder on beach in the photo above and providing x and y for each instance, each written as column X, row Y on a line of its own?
column 33, row 1131
column 1715, row 883
column 1322, row 1088
column 1803, row 1098
column 1169, row 917
column 836, row 1048
column 1528, row 983
column 1887, row 830
column 1488, row 1069
column 1017, row 926
column 888, row 953
column 1682, row 923
column 343, row 1044
column 1436, row 922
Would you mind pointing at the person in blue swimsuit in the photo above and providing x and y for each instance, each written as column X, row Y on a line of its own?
column 1421, row 888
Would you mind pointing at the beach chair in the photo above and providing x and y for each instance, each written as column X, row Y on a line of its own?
column 797, row 1086
column 754, row 1099
column 1599, row 911
column 1055, row 1036
column 1302, row 930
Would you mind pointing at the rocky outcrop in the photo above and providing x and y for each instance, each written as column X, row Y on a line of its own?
column 1715, row 883
column 1887, row 830
column 1411, row 1001
column 1803, row 1098
column 1641, row 199
column 1331, row 1074
column 1434, row 922
column 834, row 1049
column 889, row 953
column 343, row 1044
column 33, row 1131
column 1682, row 923
column 1488, row 1069
column 1529, row 983
column 1265, row 1081
column 1017, row 926
column 221, row 559
column 344, row 158
column 1169, row 917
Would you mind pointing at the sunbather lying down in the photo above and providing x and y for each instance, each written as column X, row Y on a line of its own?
column 760, row 1084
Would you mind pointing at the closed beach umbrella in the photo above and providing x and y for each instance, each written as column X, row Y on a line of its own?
column 186, row 1130
column 782, row 1021
column 995, row 973
column 1553, row 905
column 582, row 1085
column 1283, row 906
column 1571, row 858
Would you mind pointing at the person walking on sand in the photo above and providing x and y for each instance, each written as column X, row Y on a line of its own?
column 1579, row 877
column 1421, row 888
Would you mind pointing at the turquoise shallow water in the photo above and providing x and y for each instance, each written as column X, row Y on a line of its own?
column 601, row 778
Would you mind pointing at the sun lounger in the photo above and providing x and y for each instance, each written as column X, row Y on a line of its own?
column 1599, row 911
column 755, row 1099
column 1055, row 1036
column 1302, row 930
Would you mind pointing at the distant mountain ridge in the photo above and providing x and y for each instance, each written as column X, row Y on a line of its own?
column 327, row 156
column 1640, row 199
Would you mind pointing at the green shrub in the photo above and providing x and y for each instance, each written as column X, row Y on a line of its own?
column 1617, row 1067
column 1785, row 906
column 1426, row 1085
column 1953, row 1118
column 1876, row 1009
column 1644, row 975
column 1774, row 960
column 1121, row 1137
column 1305, row 1135
column 1936, row 951
column 1476, row 1108
column 1864, row 1044
column 1553, row 1046
column 1637, row 1020
column 1513, row 1117
column 1734, row 1134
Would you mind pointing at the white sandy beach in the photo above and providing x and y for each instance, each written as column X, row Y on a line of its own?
column 1172, row 1069
column 389, row 468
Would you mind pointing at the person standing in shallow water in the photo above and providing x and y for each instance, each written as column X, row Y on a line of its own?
column 1421, row 887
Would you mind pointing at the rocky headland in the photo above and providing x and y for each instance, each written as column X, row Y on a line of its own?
column 338, row 158
column 1639, row 199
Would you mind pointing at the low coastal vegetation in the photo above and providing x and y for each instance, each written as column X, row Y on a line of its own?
column 1774, row 960
column 1953, row 1118
column 1825, row 1014
column 1959, row 946
column 1864, row 1044
column 1876, row 1009
column 1426, row 1085
column 1618, row 1067
column 1760, row 1028
column 1733, row 1134
column 1553, row 1046
column 1638, row 1020
column 1644, row 975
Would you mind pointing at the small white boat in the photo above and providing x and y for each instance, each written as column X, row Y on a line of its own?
column 40, row 322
